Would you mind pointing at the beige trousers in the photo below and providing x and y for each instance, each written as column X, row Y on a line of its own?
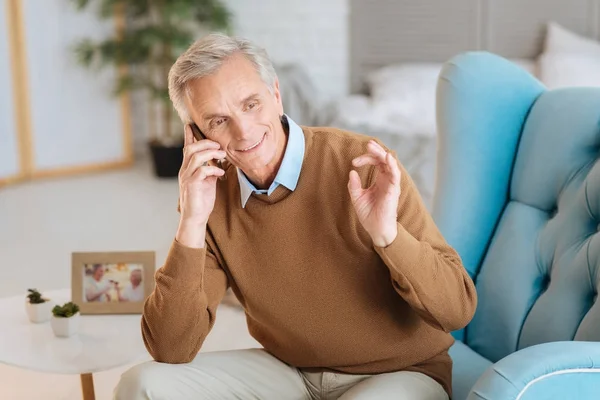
column 255, row 374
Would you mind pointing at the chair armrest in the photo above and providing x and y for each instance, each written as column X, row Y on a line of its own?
column 556, row 370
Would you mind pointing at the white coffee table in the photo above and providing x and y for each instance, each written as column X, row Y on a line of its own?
column 103, row 342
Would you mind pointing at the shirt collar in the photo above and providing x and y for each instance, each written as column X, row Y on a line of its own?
column 289, row 171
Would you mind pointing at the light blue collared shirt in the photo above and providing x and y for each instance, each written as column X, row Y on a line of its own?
column 289, row 171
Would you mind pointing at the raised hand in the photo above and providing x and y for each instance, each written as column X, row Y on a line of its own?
column 377, row 205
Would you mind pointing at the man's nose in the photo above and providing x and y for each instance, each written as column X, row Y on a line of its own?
column 241, row 128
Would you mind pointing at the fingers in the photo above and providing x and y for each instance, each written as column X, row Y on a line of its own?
column 393, row 168
column 192, row 145
column 200, row 159
column 376, row 155
column 207, row 171
column 365, row 159
column 205, row 144
column 198, row 147
column 376, row 150
column 354, row 185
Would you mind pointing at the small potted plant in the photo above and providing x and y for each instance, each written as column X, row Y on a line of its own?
column 65, row 319
column 39, row 309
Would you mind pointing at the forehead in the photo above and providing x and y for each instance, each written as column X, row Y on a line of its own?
column 236, row 79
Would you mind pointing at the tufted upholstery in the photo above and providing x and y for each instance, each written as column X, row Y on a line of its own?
column 518, row 196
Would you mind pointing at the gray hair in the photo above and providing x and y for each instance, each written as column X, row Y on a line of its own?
column 205, row 56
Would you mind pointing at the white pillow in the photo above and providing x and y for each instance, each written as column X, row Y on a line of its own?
column 561, row 40
column 404, row 95
column 417, row 82
column 559, row 70
column 569, row 59
column 401, row 80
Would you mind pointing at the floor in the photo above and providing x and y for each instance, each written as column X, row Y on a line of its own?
column 41, row 223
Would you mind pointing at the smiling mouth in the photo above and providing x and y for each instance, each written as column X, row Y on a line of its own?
column 255, row 145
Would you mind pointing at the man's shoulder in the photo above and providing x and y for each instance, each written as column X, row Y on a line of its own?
column 332, row 150
column 341, row 141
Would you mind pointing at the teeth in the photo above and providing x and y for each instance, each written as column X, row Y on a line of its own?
column 253, row 146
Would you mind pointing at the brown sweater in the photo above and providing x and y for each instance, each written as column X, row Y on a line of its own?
column 317, row 293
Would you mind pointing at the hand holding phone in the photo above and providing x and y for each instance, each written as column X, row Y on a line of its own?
column 198, row 135
column 198, row 179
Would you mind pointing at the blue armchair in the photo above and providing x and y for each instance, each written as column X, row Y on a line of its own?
column 518, row 196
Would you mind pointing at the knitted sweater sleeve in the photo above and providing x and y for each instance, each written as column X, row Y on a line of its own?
column 181, row 310
column 426, row 271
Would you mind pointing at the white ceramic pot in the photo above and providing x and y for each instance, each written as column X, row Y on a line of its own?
column 65, row 327
column 38, row 313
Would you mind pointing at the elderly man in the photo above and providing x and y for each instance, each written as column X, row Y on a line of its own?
column 322, row 236
column 134, row 291
column 97, row 286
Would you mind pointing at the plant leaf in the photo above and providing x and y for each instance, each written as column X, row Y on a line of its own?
column 80, row 4
column 85, row 51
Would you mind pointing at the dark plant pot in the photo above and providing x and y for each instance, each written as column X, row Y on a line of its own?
column 167, row 159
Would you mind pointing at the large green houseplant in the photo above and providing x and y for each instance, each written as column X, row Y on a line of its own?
column 149, row 41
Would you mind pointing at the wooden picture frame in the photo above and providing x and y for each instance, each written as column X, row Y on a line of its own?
column 109, row 282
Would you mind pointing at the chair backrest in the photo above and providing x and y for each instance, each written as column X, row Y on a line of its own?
column 534, row 192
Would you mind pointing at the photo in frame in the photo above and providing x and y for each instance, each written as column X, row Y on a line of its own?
column 112, row 282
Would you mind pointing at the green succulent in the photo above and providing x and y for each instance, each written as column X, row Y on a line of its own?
column 66, row 310
column 35, row 297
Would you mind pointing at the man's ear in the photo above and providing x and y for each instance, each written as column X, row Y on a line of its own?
column 179, row 206
column 277, row 95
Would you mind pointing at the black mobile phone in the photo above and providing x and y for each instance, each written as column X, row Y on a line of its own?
column 200, row 136
column 197, row 132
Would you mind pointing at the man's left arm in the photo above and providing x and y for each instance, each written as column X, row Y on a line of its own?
column 426, row 271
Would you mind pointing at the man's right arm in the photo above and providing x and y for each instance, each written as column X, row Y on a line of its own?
column 181, row 310
column 93, row 294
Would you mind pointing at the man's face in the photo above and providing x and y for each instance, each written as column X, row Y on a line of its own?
column 135, row 277
column 98, row 273
column 235, row 108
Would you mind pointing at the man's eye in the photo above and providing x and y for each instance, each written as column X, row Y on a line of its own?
column 218, row 121
column 252, row 105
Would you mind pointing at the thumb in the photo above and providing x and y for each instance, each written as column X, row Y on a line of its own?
column 354, row 186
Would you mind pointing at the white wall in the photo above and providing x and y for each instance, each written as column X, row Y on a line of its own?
column 311, row 32
column 75, row 120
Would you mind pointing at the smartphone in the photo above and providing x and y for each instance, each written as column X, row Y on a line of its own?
column 200, row 136
column 197, row 132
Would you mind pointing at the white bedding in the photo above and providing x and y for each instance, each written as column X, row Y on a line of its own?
column 418, row 155
column 400, row 111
